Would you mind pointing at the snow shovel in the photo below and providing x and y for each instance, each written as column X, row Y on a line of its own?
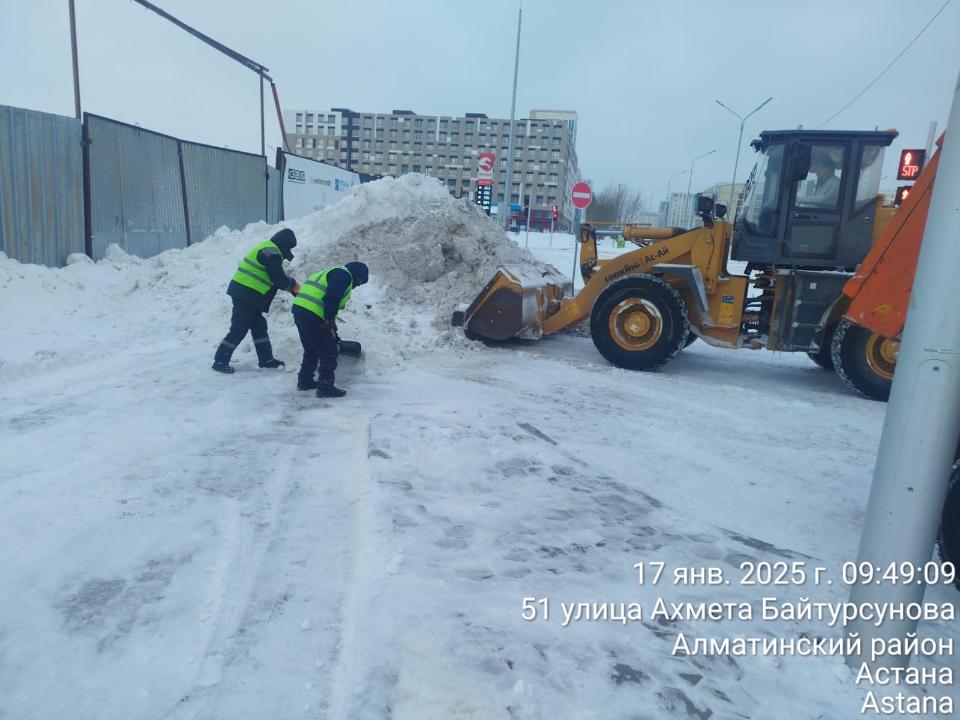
column 349, row 347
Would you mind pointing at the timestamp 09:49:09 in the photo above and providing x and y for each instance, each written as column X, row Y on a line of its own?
column 798, row 572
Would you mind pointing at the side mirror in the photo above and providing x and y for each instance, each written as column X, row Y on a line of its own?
column 705, row 204
column 719, row 210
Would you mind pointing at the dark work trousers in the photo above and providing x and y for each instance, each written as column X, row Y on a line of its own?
column 319, row 347
column 245, row 318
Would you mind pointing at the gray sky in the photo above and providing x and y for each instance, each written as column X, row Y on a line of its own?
column 642, row 75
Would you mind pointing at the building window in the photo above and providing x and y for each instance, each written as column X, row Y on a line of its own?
column 555, row 154
column 380, row 123
column 455, row 125
column 366, row 144
column 393, row 135
column 299, row 142
column 404, row 169
column 368, row 122
column 539, row 199
column 443, row 126
column 299, row 117
column 416, row 168
column 406, row 134
column 331, row 119
column 393, row 122
column 418, row 123
column 418, row 135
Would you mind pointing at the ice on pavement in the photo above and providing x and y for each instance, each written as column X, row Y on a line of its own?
column 179, row 544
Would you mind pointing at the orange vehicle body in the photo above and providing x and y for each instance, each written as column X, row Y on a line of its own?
column 879, row 291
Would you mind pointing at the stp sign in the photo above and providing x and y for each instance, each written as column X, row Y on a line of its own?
column 485, row 162
column 911, row 161
column 582, row 195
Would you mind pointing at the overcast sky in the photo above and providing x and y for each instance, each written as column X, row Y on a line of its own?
column 642, row 75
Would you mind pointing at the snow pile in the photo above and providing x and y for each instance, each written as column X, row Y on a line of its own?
column 428, row 252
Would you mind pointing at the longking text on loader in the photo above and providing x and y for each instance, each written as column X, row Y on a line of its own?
column 828, row 269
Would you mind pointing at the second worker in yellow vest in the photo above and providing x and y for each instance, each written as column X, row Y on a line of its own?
column 315, row 310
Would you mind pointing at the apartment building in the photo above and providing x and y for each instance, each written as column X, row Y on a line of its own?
column 446, row 147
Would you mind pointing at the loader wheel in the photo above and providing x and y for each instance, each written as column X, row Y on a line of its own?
column 948, row 540
column 864, row 360
column 639, row 323
column 691, row 338
column 824, row 356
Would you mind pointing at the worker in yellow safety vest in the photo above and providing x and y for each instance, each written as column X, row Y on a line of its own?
column 253, row 287
column 315, row 310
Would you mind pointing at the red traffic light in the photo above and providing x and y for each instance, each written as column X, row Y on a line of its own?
column 556, row 212
column 901, row 195
column 911, row 162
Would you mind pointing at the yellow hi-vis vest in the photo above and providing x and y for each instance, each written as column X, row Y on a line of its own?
column 251, row 273
column 314, row 290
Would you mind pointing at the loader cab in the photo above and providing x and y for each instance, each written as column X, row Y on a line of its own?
column 810, row 201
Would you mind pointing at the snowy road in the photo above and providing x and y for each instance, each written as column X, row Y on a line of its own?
column 199, row 546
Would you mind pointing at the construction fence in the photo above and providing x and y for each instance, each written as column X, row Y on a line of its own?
column 71, row 187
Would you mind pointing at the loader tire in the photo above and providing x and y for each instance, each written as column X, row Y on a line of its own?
column 824, row 356
column 691, row 338
column 948, row 539
column 864, row 360
column 639, row 323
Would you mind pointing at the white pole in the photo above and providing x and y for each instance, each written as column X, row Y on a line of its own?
column 931, row 136
column 508, row 192
column 923, row 418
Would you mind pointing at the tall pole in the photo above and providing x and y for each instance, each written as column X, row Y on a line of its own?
column 922, row 422
column 670, row 180
column 263, row 137
column 76, row 65
column 690, row 179
column 508, row 194
column 736, row 162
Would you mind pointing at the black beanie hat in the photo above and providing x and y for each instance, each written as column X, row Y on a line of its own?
column 286, row 241
column 359, row 271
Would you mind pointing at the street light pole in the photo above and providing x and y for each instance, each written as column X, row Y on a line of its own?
column 690, row 179
column 736, row 162
column 76, row 66
column 508, row 190
column 669, row 181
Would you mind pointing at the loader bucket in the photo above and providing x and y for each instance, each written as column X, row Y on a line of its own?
column 516, row 302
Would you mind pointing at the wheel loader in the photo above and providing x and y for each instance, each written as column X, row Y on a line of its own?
column 826, row 269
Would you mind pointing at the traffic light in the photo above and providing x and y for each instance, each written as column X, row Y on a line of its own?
column 911, row 162
column 901, row 195
column 556, row 212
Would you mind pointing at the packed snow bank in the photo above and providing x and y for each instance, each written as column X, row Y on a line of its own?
column 428, row 252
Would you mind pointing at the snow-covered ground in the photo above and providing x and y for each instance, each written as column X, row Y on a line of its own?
column 175, row 543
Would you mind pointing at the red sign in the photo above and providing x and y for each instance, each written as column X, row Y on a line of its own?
column 911, row 161
column 582, row 195
column 485, row 162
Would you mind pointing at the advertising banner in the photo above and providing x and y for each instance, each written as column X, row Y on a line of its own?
column 310, row 185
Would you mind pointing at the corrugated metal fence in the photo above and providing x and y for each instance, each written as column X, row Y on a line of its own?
column 41, row 186
column 67, row 187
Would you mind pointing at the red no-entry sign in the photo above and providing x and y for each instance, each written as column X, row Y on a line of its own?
column 582, row 195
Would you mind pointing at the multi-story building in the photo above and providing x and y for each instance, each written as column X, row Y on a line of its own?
column 446, row 147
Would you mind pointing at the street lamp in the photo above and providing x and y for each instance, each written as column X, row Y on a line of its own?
column 690, row 179
column 733, row 183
